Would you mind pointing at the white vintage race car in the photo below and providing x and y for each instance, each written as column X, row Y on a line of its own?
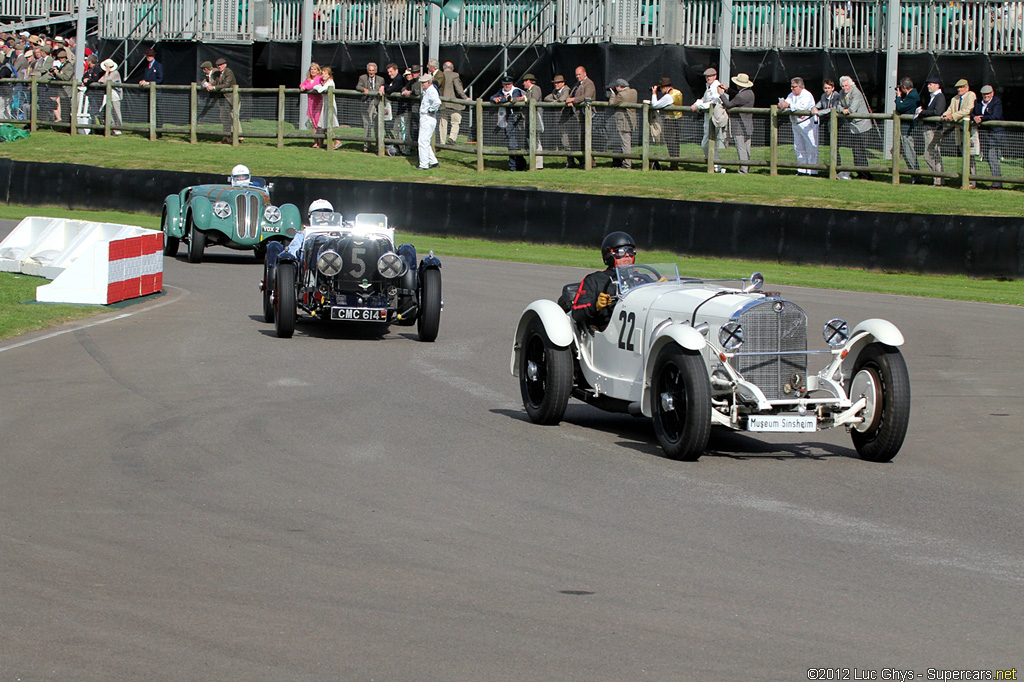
column 691, row 353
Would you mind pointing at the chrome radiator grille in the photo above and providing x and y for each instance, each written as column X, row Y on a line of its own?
column 247, row 216
column 769, row 327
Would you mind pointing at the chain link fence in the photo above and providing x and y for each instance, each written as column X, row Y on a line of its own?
column 544, row 135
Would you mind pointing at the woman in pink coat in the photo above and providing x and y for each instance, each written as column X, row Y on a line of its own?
column 316, row 100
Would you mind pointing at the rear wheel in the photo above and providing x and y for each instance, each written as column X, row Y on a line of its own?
column 880, row 376
column 430, row 305
column 170, row 243
column 284, row 300
column 196, row 245
column 268, row 288
column 545, row 376
column 681, row 403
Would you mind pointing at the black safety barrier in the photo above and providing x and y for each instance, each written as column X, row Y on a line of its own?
column 945, row 244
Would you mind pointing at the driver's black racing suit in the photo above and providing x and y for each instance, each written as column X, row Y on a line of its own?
column 584, row 305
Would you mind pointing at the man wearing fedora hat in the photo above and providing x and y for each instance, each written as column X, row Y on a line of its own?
column 111, row 75
column 742, row 133
column 533, row 93
column 664, row 95
column 932, row 130
column 624, row 119
column 509, row 119
column 560, row 93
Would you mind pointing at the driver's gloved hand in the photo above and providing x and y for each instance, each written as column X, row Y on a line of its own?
column 603, row 301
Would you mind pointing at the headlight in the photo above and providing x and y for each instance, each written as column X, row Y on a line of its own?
column 836, row 332
column 329, row 263
column 272, row 214
column 730, row 335
column 391, row 265
column 222, row 209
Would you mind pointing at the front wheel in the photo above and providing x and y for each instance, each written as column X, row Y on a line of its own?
column 196, row 245
column 880, row 376
column 681, row 403
column 284, row 300
column 545, row 376
column 170, row 243
column 268, row 299
column 430, row 305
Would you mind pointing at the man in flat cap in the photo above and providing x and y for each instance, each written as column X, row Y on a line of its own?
column 220, row 87
column 710, row 98
column 624, row 119
column 960, row 107
column 560, row 93
column 509, row 120
column 430, row 104
column 990, row 108
column 932, row 130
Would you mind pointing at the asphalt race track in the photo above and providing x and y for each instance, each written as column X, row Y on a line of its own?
column 184, row 496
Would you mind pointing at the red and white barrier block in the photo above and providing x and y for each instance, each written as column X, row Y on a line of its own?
column 111, row 271
column 89, row 262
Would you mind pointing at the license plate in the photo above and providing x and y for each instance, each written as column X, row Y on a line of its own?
column 783, row 423
column 360, row 314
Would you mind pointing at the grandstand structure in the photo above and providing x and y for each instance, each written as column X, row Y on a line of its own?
column 774, row 39
column 926, row 26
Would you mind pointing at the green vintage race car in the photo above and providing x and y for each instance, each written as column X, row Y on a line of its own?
column 238, row 215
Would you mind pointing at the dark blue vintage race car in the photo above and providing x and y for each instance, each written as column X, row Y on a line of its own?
column 350, row 272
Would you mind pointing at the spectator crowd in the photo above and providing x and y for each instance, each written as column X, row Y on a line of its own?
column 725, row 120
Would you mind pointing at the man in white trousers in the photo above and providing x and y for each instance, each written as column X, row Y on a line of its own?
column 805, row 126
column 429, row 106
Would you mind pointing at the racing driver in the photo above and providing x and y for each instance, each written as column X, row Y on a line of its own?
column 592, row 306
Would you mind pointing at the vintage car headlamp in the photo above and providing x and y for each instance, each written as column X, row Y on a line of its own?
column 730, row 335
column 836, row 332
column 329, row 263
column 272, row 214
column 391, row 265
column 221, row 209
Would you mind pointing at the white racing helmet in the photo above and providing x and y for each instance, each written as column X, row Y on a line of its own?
column 240, row 176
column 320, row 205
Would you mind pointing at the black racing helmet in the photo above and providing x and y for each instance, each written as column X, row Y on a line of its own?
column 612, row 242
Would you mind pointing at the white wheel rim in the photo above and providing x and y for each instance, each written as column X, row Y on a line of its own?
column 865, row 386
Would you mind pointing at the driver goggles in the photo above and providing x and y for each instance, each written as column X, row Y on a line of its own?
column 623, row 251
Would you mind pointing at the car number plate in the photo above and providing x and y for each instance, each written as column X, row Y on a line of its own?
column 360, row 314
column 783, row 423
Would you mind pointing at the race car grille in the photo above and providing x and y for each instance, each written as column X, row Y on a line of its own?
column 770, row 327
column 247, row 216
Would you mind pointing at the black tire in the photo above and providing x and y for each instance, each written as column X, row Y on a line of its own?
column 681, row 403
column 268, row 288
column 284, row 300
column 545, row 376
column 881, row 438
column 196, row 245
column 429, row 319
column 170, row 243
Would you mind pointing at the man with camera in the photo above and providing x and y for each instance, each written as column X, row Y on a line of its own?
column 619, row 94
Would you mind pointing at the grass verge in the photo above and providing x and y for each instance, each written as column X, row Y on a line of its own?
column 297, row 159
column 19, row 313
